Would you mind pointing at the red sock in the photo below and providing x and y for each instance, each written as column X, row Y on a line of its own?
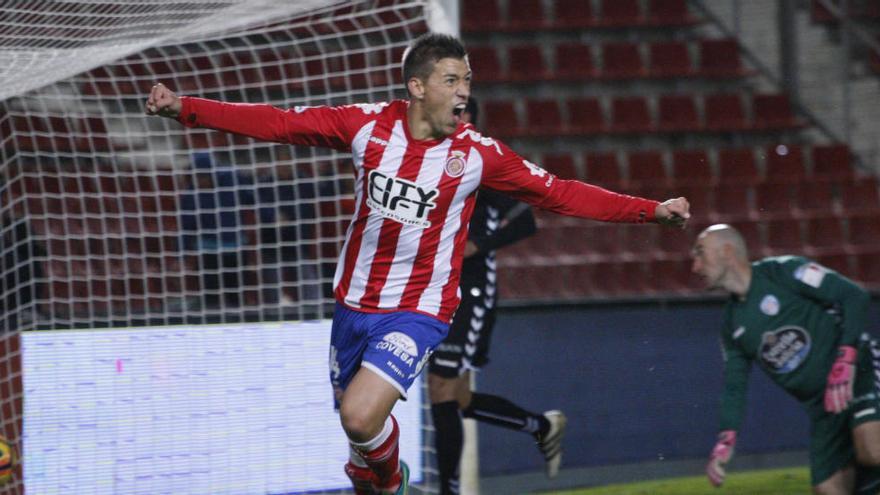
column 362, row 479
column 383, row 460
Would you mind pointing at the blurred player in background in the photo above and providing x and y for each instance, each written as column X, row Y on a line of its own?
column 418, row 168
column 497, row 221
column 804, row 325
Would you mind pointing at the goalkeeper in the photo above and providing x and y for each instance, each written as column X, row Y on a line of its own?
column 803, row 324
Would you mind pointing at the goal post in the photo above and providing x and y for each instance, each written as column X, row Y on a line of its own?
column 122, row 233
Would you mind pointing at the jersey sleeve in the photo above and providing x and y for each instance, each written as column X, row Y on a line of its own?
column 736, row 380
column 330, row 127
column 829, row 288
column 509, row 173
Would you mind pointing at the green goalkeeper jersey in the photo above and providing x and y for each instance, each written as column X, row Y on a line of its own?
column 791, row 321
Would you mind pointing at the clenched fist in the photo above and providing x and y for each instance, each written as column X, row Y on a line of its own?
column 163, row 102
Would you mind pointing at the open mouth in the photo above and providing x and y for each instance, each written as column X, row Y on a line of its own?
column 458, row 111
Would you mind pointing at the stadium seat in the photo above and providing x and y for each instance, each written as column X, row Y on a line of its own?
column 814, row 198
column 526, row 63
column 480, row 16
column 500, row 118
column 774, row 199
column 675, row 243
column 603, row 169
column 839, row 262
column 737, row 165
column 677, row 113
column 646, row 168
column 773, row 111
column 673, row 276
column 751, row 233
column 622, row 60
column 621, row 13
column 630, row 114
column 561, row 165
column 543, row 117
column 692, row 167
column 486, row 59
column 732, row 202
column 669, row 13
column 639, row 241
column 720, row 58
column 860, row 195
column 784, row 163
column 634, row 277
column 700, row 197
column 832, row 162
column 574, row 61
column 868, row 270
column 670, row 59
column 573, row 14
column 783, row 236
column 824, row 235
column 864, row 232
column 725, row 112
column 585, row 116
column 525, row 15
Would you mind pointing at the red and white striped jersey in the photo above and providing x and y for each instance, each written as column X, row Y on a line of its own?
column 404, row 246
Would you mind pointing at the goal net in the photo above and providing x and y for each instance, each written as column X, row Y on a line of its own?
column 164, row 293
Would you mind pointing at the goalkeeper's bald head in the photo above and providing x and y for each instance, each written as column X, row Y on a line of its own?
column 724, row 234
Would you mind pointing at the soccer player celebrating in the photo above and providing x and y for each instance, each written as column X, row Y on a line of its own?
column 497, row 221
column 803, row 324
column 417, row 170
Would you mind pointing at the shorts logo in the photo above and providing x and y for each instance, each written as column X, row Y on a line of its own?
column 455, row 164
column 770, row 305
column 401, row 345
column 784, row 349
column 401, row 200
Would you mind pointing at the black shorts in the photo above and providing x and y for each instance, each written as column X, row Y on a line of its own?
column 467, row 345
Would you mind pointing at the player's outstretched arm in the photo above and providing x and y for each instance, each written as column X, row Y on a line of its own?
column 674, row 212
column 720, row 456
column 163, row 102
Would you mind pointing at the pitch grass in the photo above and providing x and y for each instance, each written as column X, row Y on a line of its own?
column 790, row 481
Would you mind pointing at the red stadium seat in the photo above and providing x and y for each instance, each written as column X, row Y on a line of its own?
column 646, row 168
column 573, row 14
column 480, row 16
column 774, row 199
column 485, row 60
column 720, row 58
column 824, row 235
column 700, row 197
column 574, row 61
column 783, row 236
column 669, row 13
column 832, row 161
column 621, row 13
column 670, row 59
column 639, row 241
column 725, row 112
column 526, row 63
column 585, row 115
column 630, row 114
column 561, row 165
column 622, row 60
column 732, row 202
column 814, row 198
column 692, row 167
column 500, row 118
column 860, row 195
column 677, row 113
column 867, row 270
column 864, row 232
column 603, row 169
column 840, row 262
column 785, row 163
column 543, row 117
column 525, row 15
column 673, row 276
column 773, row 111
column 751, row 233
column 737, row 165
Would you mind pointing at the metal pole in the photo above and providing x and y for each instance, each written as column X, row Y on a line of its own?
column 846, row 41
column 737, row 17
column 788, row 48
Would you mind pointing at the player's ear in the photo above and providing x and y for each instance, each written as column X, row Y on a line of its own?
column 416, row 88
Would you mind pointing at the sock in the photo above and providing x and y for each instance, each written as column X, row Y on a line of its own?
column 359, row 473
column 867, row 480
column 381, row 455
column 501, row 412
column 449, row 440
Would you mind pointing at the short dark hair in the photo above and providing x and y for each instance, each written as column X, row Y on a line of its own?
column 426, row 50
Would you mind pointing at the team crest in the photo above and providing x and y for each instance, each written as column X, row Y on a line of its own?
column 455, row 164
column 770, row 305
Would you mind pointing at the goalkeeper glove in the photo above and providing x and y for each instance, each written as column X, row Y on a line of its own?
column 839, row 391
column 720, row 455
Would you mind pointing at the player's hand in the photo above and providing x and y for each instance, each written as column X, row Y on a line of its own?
column 839, row 391
column 674, row 212
column 470, row 249
column 720, row 456
column 163, row 102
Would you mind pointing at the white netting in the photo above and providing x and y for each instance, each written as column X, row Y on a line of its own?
column 113, row 219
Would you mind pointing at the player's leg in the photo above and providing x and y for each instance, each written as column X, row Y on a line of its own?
column 842, row 482
column 446, row 396
column 831, row 453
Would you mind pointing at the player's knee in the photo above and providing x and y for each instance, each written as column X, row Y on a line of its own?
column 440, row 389
column 868, row 455
column 359, row 426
